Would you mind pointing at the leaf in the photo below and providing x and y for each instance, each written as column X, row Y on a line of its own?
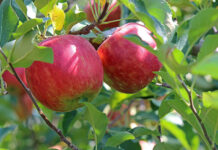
column 207, row 66
column 209, row 46
column 25, row 52
column 139, row 10
column 187, row 114
column 57, row 16
column 68, row 118
column 119, row 137
column 27, row 26
column 166, row 146
column 143, row 116
column 164, row 109
column 5, row 131
column 97, row 119
column 45, row 6
column 209, row 117
column 210, row 99
column 177, row 132
column 8, row 21
column 140, row 131
column 22, row 6
column 73, row 16
column 162, row 12
column 201, row 23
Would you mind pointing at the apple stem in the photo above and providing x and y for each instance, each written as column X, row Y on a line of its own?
column 88, row 28
column 195, row 112
column 58, row 131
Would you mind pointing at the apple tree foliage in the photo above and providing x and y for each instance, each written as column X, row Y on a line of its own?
column 161, row 114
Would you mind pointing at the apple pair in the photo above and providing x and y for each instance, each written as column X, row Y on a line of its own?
column 76, row 74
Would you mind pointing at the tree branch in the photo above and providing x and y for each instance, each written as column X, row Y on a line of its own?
column 58, row 131
column 196, row 114
column 88, row 28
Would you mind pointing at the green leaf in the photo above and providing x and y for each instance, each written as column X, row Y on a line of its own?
column 25, row 52
column 8, row 21
column 118, row 97
column 143, row 116
column 5, row 131
column 209, row 46
column 27, row 26
column 119, row 137
column 140, row 131
column 177, row 132
column 207, row 66
column 68, row 118
column 139, row 10
column 97, row 119
column 22, row 6
column 166, row 146
column 161, row 11
column 73, row 16
column 210, row 99
column 209, row 117
column 187, row 114
column 45, row 6
column 164, row 109
column 201, row 23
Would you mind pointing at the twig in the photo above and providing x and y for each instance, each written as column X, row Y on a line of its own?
column 58, row 131
column 164, row 85
column 195, row 113
column 169, row 87
column 159, row 130
column 88, row 28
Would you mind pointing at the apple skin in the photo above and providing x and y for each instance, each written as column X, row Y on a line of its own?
column 24, row 107
column 128, row 67
column 13, row 85
column 75, row 74
column 114, row 15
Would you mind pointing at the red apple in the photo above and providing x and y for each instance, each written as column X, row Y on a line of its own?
column 13, row 86
column 24, row 107
column 128, row 67
column 114, row 15
column 76, row 74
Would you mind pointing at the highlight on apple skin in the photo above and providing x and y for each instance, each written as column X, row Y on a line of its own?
column 114, row 15
column 128, row 67
column 75, row 75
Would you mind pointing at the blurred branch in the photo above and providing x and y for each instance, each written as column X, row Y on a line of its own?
column 195, row 113
column 58, row 131
column 88, row 28
column 169, row 87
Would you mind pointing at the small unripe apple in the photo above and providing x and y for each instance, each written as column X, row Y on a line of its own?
column 128, row 67
column 24, row 107
column 114, row 15
column 75, row 75
column 13, row 85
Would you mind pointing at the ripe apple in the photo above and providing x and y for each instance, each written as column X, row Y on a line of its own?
column 128, row 67
column 13, row 86
column 24, row 107
column 76, row 74
column 114, row 15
